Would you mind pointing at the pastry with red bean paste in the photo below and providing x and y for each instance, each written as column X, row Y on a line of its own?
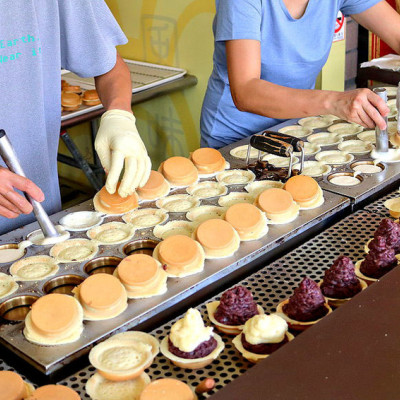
column 190, row 343
column 390, row 230
column 236, row 306
column 340, row 280
column 307, row 302
column 379, row 260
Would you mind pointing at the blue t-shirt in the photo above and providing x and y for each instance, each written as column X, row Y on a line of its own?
column 37, row 38
column 293, row 53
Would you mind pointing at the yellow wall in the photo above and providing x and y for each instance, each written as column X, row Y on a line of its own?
column 332, row 76
column 177, row 33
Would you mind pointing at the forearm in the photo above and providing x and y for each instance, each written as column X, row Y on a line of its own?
column 115, row 87
column 265, row 98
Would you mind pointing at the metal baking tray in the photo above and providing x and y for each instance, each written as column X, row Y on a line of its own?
column 143, row 76
column 270, row 285
column 371, row 184
column 52, row 358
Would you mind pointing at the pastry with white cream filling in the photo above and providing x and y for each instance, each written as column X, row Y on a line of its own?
column 190, row 344
column 262, row 335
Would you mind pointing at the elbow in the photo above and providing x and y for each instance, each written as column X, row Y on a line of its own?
column 240, row 100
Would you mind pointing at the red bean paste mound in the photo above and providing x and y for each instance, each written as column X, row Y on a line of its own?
column 307, row 302
column 262, row 348
column 390, row 230
column 379, row 260
column 340, row 280
column 236, row 307
column 202, row 350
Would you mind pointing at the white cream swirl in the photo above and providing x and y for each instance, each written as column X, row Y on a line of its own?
column 265, row 329
column 189, row 332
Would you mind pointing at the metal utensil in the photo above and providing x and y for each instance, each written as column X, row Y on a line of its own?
column 10, row 158
column 382, row 138
column 298, row 144
column 268, row 144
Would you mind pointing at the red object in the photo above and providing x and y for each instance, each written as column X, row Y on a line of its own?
column 377, row 47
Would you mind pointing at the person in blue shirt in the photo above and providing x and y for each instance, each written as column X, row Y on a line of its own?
column 268, row 54
column 37, row 39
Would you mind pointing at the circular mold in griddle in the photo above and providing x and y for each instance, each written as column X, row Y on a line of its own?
column 145, row 246
column 367, row 164
column 104, row 265
column 17, row 308
column 12, row 246
column 349, row 179
column 63, row 284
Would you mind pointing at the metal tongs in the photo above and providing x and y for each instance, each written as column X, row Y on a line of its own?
column 10, row 158
column 279, row 144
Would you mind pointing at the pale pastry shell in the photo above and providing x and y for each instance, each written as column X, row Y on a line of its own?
column 30, row 264
column 178, row 203
column 8, row 285
column 234, row 198
column 145, row 218
column 174, row 228
column 355, row 147
column 241, row 152
column 203, row 213
column 346, row 129
column 314, row 168
column 334, row 157
column 297, row 131
column 207, row 189
column 111, row 233
column 236, row 177
column 57, row 250
column 99, row 388
column 257, row 187
column 316, row 122
column 325, row 139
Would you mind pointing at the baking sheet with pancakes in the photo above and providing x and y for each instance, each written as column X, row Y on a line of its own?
column 48, row 359
column 143, row 76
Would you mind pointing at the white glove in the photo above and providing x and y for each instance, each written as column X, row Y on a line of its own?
column 118, row 144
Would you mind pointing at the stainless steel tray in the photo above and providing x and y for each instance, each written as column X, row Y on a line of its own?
column 52, row 358
column 143, row 76
column 370, row 185
column 269, row 286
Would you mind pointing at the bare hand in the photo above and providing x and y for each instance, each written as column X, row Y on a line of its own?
column 12, row 204
column 361, row 106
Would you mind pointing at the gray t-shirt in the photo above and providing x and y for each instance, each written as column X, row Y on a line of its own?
column 37, row 39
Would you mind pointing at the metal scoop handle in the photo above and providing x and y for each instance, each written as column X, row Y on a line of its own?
column 271, row 145
column 10, row 158
column 297, row 143
column 382, row 138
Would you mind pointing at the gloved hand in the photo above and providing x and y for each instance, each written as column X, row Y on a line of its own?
column 119, row 145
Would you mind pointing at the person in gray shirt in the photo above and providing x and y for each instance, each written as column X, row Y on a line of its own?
column 37, row 39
